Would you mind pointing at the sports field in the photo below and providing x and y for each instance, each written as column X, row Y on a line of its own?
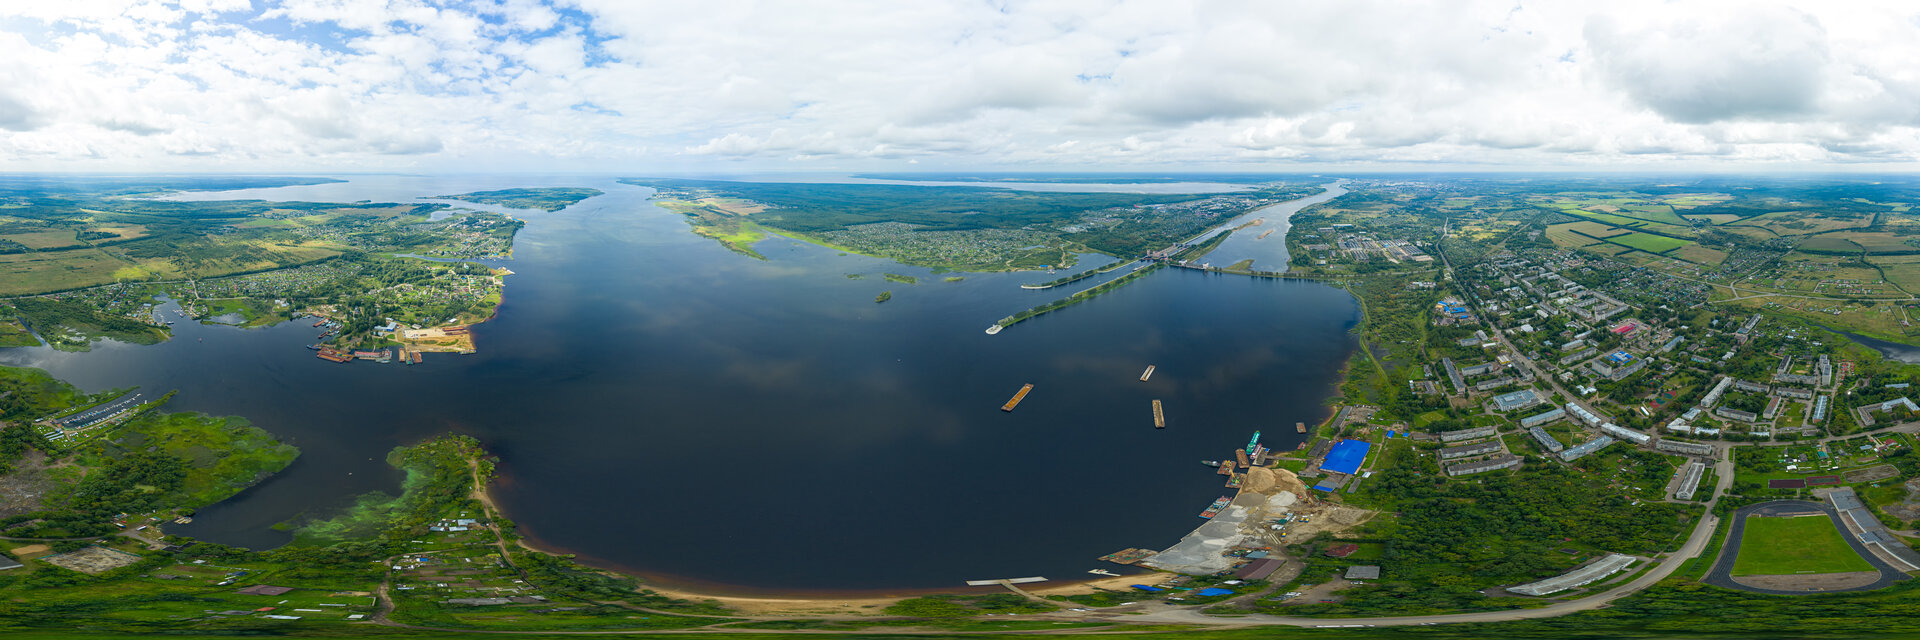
column 1775, row 546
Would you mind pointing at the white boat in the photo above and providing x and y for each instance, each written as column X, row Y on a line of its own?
column 994, row 329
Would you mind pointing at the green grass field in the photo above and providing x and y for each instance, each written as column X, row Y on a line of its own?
column 1649, row 243
column 1786, row 546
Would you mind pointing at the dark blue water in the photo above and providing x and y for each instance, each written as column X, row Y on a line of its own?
column 664, row 406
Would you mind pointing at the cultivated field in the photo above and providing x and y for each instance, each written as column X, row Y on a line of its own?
column 1649, row 243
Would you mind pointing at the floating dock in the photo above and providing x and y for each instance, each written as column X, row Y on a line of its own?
column 1148, row 374
column 1017, row 397
column 1159, row 417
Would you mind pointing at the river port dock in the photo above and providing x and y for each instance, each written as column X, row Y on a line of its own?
column 1017, row 397
column 1159, row 416
column 1148, row 374
column 1216, row 507
column 1128, row 556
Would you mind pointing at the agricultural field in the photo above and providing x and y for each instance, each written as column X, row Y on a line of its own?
column 36, row 240
column 1857, row 241
column 1786, row 546
column 1700, row 255
column 1795, row 223
column 39, row 272
column 1901, row 271
column 1713, row 218
column 1649, row 243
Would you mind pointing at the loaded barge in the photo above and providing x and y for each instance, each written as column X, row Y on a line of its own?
column 1217, row 506
column 1148, row 374
column 1159, row 417
column 1017, row 397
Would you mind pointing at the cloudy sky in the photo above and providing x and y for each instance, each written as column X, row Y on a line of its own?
column 1255, row 85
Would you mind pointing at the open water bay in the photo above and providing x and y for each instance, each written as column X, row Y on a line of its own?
column 664, row 406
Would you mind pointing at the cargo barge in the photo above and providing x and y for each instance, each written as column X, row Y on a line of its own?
column 1159, row 417
column 1148, row 374
column 1299, row 427
column 1216, row 508
column 1017, row 397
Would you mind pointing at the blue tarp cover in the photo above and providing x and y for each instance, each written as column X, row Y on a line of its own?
column 1213, row 591
column 1346, row 456
column 1143, row 587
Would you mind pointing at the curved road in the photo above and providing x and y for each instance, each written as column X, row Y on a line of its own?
column 1696, row 542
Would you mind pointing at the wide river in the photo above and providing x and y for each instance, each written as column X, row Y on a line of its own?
column 664, row 406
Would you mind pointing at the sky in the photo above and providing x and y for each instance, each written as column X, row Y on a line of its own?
column 929, row 85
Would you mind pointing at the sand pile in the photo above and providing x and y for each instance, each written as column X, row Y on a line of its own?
column 1267, row 481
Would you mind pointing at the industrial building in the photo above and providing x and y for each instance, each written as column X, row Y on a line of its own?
column 1583, row 576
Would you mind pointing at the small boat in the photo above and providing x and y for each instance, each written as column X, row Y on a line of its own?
column 1210, row 463
column 995, row 329
column 1102, row 572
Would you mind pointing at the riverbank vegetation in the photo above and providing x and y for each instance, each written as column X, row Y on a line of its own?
column 154, row 462
column 1077, row 297
column 962, row 228
column 544, row 199
column 1076, row 277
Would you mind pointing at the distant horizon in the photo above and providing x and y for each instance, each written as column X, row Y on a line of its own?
column 468, row 86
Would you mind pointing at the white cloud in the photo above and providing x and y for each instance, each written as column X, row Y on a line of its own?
column 860, row 84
